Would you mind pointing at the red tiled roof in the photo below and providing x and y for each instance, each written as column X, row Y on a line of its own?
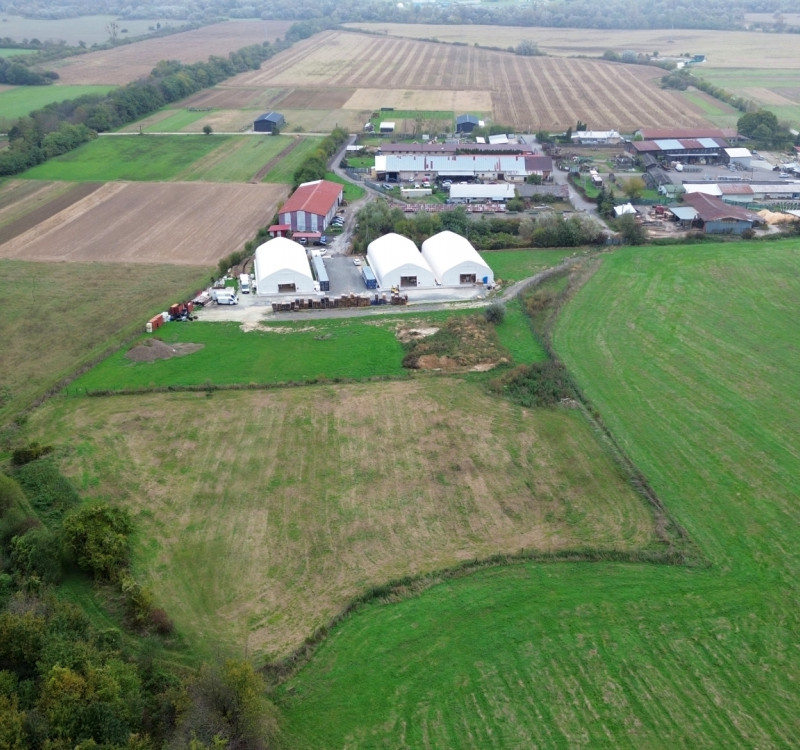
column 735, row 189
column 317, row 197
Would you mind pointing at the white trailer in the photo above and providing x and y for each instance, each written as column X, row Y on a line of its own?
column 244, row 283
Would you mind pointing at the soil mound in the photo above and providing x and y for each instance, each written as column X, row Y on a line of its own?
column 153, row 349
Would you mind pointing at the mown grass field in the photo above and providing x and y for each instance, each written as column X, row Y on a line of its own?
column 22, row 100
column 288, row 352
column 669, row 344
column 65, row 315
column 261, row 514
column 134, row 158
column 515, row 265
column 238, row 159
column 284, row 171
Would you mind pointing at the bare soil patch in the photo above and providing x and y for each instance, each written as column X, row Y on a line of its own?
column 317, row 99
column 130, row 62
column 36, row 202
column 150, row 350
column 186, row 224
column 225, row 97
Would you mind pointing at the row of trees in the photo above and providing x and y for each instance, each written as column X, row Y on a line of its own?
column 379, row 217
column 61, row 126
column 315, row 166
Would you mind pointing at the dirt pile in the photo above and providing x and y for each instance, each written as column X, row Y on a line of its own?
column 153, row 349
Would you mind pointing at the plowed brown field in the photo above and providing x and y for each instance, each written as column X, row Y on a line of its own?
column 526, row 92
column 130, row 62
column 178, row 223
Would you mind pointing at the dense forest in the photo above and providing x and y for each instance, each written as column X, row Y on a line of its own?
column 616, row 14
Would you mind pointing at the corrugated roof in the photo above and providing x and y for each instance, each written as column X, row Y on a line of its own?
column 270, row 117
column 670, row 144
column 710, row 208
column 735, row 189
column 317, row 197
column 684, row 213
column 652, row 134
column 489, row 192
column 466, row 163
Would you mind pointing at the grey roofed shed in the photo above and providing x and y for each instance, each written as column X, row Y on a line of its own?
column 269, row 122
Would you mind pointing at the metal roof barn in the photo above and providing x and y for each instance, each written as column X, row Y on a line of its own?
column 281, row 267
column 455, row 261
column 396, row 262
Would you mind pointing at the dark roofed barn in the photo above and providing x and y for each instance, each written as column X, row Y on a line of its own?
column 270, row 122
column 466, row 123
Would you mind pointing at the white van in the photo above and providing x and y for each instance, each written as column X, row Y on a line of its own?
column 244, row 283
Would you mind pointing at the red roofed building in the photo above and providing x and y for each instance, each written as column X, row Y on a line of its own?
column 656, row 134
column 311, row 206
column 717, row 217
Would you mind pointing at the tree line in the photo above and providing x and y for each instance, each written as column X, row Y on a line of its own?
column 66, row 683
column 62, row 126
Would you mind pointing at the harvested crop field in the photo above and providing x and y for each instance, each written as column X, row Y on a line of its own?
column 130, row 62
column 526, row 92
column 185, row 224
column 328, row 491
column 723, row 49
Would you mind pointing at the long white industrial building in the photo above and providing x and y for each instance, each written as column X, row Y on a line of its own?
column 395, row 261
column 281, row 267
column 455, row 261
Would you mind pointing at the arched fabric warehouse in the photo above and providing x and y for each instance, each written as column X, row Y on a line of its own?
column 281, row 267
column 396, row 261
column 455, row 261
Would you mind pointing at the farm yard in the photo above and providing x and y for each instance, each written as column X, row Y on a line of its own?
column 527, row 93
column 187, row 224
column 129, row 62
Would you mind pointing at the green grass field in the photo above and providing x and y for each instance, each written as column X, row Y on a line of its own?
column 238, row 159
column 10, row 52
column 175, row 122
column 319, row 349
column 284, row 171
column 669, row 345
column 773, row 89
column 351, row 192
column 66, row 314
column 22, row 100
column 135, row 157
column 515, row 265
column 715, row 111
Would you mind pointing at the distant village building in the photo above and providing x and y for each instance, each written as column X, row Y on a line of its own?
column 467, row 123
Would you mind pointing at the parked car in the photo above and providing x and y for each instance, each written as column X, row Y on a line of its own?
column 356, row 261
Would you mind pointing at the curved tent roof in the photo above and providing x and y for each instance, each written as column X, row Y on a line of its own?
column 453, row 257
column 393, row 256
column 282, row 261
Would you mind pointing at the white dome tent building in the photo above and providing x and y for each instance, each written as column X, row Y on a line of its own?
column 455, row 261
column 281, row 267
column 396, row 262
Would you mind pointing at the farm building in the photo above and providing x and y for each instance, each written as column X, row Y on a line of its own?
column 467, row 123
column 540, row 165
column 396, row 262
column 716, row 217
column 655, row 134
column 588, row 137
column 455, row 261
column 271, row 122
column 624, row 209
column 690, row 150
column 281, row 267
column 411, row 167
column 739, row 156
column 311, row 206
column 456, row 148
column 473, row 193
column 386, row 127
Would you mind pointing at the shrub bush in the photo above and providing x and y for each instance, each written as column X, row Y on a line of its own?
column 495, row 313
column 28, row 453
column 98, row 536
column 537, row 384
